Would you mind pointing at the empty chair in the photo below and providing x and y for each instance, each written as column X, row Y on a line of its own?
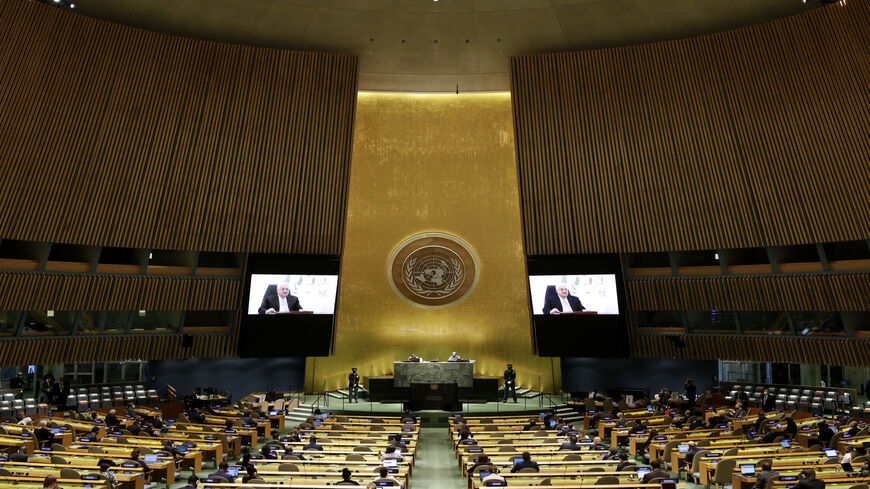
column 152, row 395
column 57, row 459
column 30, row 406
column 571, row 457
column 290, row 457
column 607, row 480
column 595, row 469
column 354, row 457
column 67, row 473
column 288, row 467
column 362, row 449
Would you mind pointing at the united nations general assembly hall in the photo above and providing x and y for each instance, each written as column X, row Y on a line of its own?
column 435, row 244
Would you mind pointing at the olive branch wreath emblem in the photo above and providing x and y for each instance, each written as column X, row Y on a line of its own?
column 448, row 289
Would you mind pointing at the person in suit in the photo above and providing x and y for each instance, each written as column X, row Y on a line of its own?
column 251, row 474
column 61, row 392
column 481, row 461
column 765, row 474
column 853, row 428
column 526, row 463
column 571, row 444
column 272, row 395
column 353, row 386
column 655, row 473
column 690, row 453
column 808, row 480
column 510, row 382
column 223, row 471
column 312, row 444
column 563, row 301
column 691, row 393
column 192, row 481
column 43, row 435
column 623, row 462
column 19, row 456
column 345, row 478
column 279, row 301
column 50, row 482
column 768, row 401
column 825, row 433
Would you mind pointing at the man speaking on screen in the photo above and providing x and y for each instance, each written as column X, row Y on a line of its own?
column 562, row 301
column 279, row 301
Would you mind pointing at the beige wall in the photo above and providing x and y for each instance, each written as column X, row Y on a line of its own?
column 424, row 163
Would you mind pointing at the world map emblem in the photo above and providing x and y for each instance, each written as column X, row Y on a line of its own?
column 433, row 270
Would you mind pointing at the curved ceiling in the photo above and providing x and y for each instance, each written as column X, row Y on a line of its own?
column 439, row 45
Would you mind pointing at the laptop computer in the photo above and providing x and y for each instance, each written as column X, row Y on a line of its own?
column 483, row 474
column 552, row 423
column 831, row 452
column 318, row 422
column 785, row 444
column 233, row 470
column 55, row 430
column 390, row 462
column 683, row 448
column 642, row 472
column 150, row 458
column 747, row 469
column 517, row 460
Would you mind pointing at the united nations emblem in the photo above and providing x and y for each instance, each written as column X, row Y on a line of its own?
column 433, row 270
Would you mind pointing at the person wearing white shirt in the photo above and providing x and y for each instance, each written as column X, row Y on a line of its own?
column 454, row 358
column 562, row 302
column 279, row 302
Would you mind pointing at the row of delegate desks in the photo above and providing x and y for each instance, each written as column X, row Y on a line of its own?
column 128, row 478
column 24, row 482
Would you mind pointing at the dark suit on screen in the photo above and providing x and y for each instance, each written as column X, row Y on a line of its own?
column 551, row 301
column 270, row 301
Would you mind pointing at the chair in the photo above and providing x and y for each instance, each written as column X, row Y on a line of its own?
column 527, row 470
column 695, row 471
column 289, row 467
column 354, row 457
column 57, row 447
column 58, row 460
column 657, row 480
column 362, row 449
column 493, row 482
column 607, row 480
column 5, row 473
column 860, row 486
column 290, row 457
column 505, row 442
column 571, row 457
column 731, row 451
column 832, row 461
column 507, row 450
column 815, row 448
column 67, row 473
column 256, row 480
column 595, row 469
column 724, row 473
column 376, row 428
column 94, row 449
column 546, row 482
column 338, row 427
column 629, row 468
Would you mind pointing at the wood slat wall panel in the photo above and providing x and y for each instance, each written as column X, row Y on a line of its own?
column 112, row 348
column 752, row 137
column 91, row 292
column 821, row 351
column 817, row 292
column 116, row 136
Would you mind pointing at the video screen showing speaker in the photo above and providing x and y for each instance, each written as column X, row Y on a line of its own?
column 288, row 293
column 574, row 294
column 578, row 305
column 289, row 303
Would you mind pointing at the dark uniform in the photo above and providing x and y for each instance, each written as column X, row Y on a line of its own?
column 510, row 382
column 353, row 387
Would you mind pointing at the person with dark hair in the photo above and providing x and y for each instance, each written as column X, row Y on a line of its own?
column 655, row 473
column 532, row 425
column 105, row 471
column 643, row 448
column 192, row 481
column 526, row 463
column 690, row 453
column 623, row 461
column 765, row 474
column 825, row 433
column 510, row 382
column 571, row 444
column 272, row 395
column 312, row 444
column 465, row 433
column 269, row 448
column 691, row 393
column 246, row 459
column 808, row 480
column 791, row 428
column 390, row 452
column 385, row 476
column 223, row 471
column 353, row 386
column 196, row 416
column 134, row 456
column 345, row 478
column 853, row 428
column 481, row 461
column 50, row 482
column 251, row 474
column 409, row 416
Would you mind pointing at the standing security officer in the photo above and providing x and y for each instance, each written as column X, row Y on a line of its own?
column 353, row 386
column 510, row 382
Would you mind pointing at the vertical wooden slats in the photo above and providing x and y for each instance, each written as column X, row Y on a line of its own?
column 115, row 136
column 752, row 137
column 85, row 292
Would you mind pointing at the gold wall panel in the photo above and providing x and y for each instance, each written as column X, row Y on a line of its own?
column 433, row 163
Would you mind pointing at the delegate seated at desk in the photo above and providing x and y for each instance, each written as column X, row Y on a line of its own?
column 557, row 300
column 279, row 300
